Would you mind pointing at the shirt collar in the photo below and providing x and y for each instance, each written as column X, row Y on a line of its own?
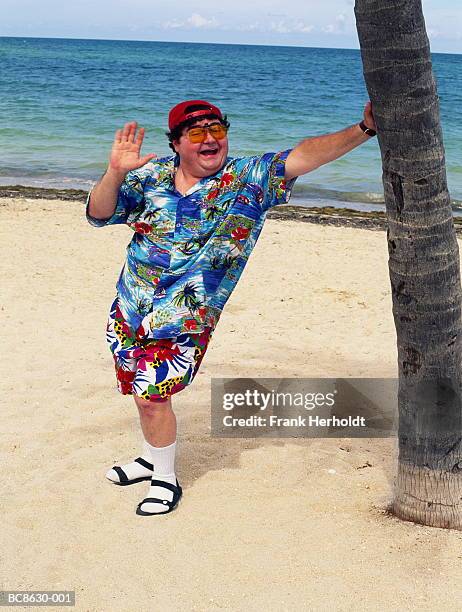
column 168, row 173
column 168, row 179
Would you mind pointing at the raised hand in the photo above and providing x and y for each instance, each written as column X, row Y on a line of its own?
column 369, row 117
column 125, row 153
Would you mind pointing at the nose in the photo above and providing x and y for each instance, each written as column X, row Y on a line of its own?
column 208, row 137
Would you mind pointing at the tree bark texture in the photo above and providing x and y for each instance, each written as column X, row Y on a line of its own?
column 423, row 259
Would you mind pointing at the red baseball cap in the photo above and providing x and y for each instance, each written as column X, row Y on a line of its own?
column 179, row 113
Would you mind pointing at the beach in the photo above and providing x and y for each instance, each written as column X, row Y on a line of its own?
column 278, row 524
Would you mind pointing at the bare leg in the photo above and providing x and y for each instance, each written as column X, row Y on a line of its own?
column 158, row 421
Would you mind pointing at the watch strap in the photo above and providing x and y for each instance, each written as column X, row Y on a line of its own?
column 366, row 130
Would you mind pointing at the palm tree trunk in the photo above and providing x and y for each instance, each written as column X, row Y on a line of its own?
column 423, row 260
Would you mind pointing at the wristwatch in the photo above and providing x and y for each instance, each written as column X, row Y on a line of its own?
column 367, row 130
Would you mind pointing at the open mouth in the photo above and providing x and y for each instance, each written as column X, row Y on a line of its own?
column 209, row 152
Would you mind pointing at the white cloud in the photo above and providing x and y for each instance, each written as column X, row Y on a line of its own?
column 279, row 26
column 250, row 27
column 338, row 27
column 283, row 27
column 197, row 21
column 301, row 27
column 194, row 21
column 171, row 25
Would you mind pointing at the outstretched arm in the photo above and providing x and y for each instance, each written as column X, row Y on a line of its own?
column 314, row 152
column 125, row 156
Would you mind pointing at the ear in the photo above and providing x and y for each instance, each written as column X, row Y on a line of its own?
column 175, row 144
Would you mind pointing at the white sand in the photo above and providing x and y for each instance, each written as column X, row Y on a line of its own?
column 290, row 524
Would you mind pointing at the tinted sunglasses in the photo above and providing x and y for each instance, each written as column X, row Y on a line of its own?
column 199, row 134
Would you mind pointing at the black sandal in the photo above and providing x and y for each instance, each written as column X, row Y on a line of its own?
column 171, row 505
column 123, row 478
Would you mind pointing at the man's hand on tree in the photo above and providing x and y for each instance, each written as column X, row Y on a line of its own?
column 125, row 153
column 369, row 117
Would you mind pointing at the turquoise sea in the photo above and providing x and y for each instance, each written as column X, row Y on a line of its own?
column 63, row 99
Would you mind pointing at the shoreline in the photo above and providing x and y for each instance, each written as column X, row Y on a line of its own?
column 323, row 215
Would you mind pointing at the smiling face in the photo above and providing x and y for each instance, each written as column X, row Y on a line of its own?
column 203, row 158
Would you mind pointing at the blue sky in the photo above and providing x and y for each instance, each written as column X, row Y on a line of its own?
column 311, row 23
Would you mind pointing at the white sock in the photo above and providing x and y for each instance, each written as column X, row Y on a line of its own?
column 163, row 459
column 134, row 469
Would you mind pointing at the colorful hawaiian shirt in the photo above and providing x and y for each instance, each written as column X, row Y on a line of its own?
column 188, row 251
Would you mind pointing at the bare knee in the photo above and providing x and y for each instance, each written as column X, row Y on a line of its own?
column 149, row 406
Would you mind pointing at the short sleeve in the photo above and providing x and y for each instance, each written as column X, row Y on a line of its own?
column 130, row 202
column 268, row 172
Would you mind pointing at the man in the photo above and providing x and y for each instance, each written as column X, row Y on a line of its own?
column 196, row 217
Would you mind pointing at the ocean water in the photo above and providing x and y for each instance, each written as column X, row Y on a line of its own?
column 63, row 99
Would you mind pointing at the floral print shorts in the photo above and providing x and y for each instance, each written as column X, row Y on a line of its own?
column 153, row 369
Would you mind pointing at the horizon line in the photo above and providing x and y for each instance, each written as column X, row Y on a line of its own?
column 179, row 42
